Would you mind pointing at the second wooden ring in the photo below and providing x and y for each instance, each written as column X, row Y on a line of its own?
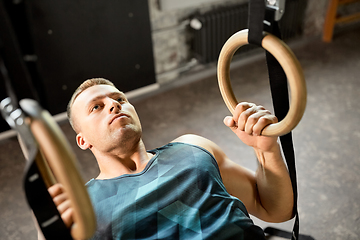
column 291, row 67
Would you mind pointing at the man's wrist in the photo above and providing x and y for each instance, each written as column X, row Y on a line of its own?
column 273, row 148
column 271, row 153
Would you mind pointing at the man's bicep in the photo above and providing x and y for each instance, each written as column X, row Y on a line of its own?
column 239, row 182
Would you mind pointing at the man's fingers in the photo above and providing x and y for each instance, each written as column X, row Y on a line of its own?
column 258, row 121
column 55, row 190
column 229, row 121
column 250, row 118
column 64, row 206
column 58, row 194
column 60, row 199
column 63, row 203
column 67, row 217
column 66, row 212
column 248, row 110
column 244, row 116
column 241, row 107
column 263, row 122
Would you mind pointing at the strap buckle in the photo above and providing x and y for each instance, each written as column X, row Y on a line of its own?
column 278, row 6
column 16, row 119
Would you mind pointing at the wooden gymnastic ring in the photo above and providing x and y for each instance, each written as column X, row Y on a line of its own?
column 291, row 67
column 63, row 163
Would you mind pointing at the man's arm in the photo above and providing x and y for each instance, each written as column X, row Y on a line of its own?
column 267, row 194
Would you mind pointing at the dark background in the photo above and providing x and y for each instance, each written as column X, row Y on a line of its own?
column 56, row 45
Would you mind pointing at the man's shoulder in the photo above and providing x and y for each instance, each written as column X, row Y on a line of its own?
column 200, row 141
column 192, row 139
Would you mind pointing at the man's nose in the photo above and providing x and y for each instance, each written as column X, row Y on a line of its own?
column 115, row 106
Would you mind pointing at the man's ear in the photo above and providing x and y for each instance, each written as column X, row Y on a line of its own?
column 81, row 142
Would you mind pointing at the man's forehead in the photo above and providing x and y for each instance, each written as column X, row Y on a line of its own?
column 94, row 92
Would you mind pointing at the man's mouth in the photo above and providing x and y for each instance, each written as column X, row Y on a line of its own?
column 118, row 116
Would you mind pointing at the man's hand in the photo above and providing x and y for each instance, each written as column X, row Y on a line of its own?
column 63, row 203
column 247, row 123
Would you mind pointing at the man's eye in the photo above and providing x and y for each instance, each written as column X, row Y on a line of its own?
column 95, row 107
column 120, row 99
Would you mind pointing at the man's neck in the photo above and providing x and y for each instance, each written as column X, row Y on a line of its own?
column 116, row 163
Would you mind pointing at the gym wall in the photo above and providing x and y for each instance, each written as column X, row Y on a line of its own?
column 66, row 42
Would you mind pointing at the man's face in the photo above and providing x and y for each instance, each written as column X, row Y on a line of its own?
column 105, row 119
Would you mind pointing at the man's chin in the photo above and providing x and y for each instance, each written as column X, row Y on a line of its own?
column 129, row 135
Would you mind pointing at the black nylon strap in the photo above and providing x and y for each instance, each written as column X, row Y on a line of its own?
column 43, row 207
column 278, row 86
column 280, row 97
column 255, row 21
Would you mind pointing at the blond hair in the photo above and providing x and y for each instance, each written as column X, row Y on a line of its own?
column 85, row 85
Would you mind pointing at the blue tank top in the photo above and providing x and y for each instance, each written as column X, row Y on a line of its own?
column 179, row 195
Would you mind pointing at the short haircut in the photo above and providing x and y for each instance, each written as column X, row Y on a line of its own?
column 85, row 85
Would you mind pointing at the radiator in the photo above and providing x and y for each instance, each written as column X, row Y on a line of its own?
column 212, row 29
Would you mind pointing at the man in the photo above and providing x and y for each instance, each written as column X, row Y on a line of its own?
column 187, row 189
